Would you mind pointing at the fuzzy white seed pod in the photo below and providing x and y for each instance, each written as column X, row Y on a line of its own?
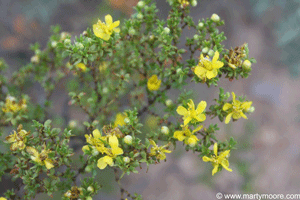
column 128, row 139
column 215, row 18
column 165, row 130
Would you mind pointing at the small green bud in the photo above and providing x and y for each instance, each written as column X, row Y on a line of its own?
column 53, row 44
column 95, row 152
column 141, row 4
column 211, row 53
column 67, row 41
column 169, row 102
column 127, row 120
column 35, row 59
column 247, row 64
column 227, row 95
column 89, row 198
column 151, row 37
column 179, row 71
column 215, row 18
column 201, row 25
column 38, row 52
column 194, row 3
column 131, row 31
column 79, row 45
column 128, row 139
column 64, row 35
column 205, row 50
column 251, row 109
column 84, row 33
column 126, row 159
column 196, row 37
column 166, row 30
column 88, row 169
column 90, row 189
column 105, row 90
column 72, row 124
column 165, row 130
column 140, row 16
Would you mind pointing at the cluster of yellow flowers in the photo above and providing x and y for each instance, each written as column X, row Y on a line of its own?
column 98, row 143
column 184, row 2
column 18, row 139
column 11, row 105
column 41, row 158
column 153, row 83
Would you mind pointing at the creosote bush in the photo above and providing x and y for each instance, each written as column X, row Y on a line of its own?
column 115, row 73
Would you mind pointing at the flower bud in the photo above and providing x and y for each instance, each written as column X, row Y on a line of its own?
column 139, row 16
column 63, row 35
column 88, row 169
column 179, row 71
column 131, row 31
column 95, row 152
column 67, row 41
column 251, row 109
column 196, row 37
column 165, row 130
column 194, row 3
column 53, row 44
column 79, row 45
column 215, row 18
column 151, row 37
column 141, row 4
column 68, row 194
column 128, row 139
column 72, row 124
column 247, row 64
column 35, row 59
column 84, row 33
column 211, row 53
column 89, row 198
column 166, row 30
column 90, row 189
column 201, row 25
column 105, row 90
column 126, row 159
column 127, row 120
column 169, row 102
column 205, row 50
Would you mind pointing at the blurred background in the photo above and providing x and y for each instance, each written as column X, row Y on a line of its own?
column 267, row 159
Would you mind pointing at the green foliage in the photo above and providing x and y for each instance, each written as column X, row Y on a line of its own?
column 115, row 78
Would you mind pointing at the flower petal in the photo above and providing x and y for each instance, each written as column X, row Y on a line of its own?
column 201, row 118
column 179, row 135
column 101, row 164
column 201, row 107
column 211, row 74
column 215, row 170
column 48, row 163
column 108, row 20
column 206, row 159
column 113, row 141
column 216, row 149
column 182, row 110
column 228, row 118
column 227, row 106
column 216, row 57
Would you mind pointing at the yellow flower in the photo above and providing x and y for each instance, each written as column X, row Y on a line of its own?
column 12, row 106
column 184, row 2
column 96, row 140
column 2, row 198
column 190, row 113
column 120, row 119
column 208, row 69
column 158, row 152
column 153, row 83
column 187, row 136
column 104, row 31
column 218, row 160
column 236, row 109
column 112, row 153
column 41, row 158
column 81, row 66
column 18, row 140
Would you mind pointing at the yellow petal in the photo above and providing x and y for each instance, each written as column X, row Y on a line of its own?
column 117, row 151
column 179, row 135
column 32, row 151
column 200, row 71
column 101, row 164
column 218, row 65
column 187, row 120
column 96, row 133
column 152, row 142
column 227, row 106
column 216, row 57
column 201, row 107
column 233, row 97
column 225, row 166
column 224, row 154
column 106, row 37
column 201, row 118
column 243, row 115
column 117, row 30
column 206, row 159
column 108, row 20
column 211, row 74
column 115, row 24
column 197, row 129
column 108, row 160
column 216, row 149
column 85, row 148
column 228, row 118
column 246, row 105
column 48, row 163
column 215, row 170
column 113, row 141
column 181, row 110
